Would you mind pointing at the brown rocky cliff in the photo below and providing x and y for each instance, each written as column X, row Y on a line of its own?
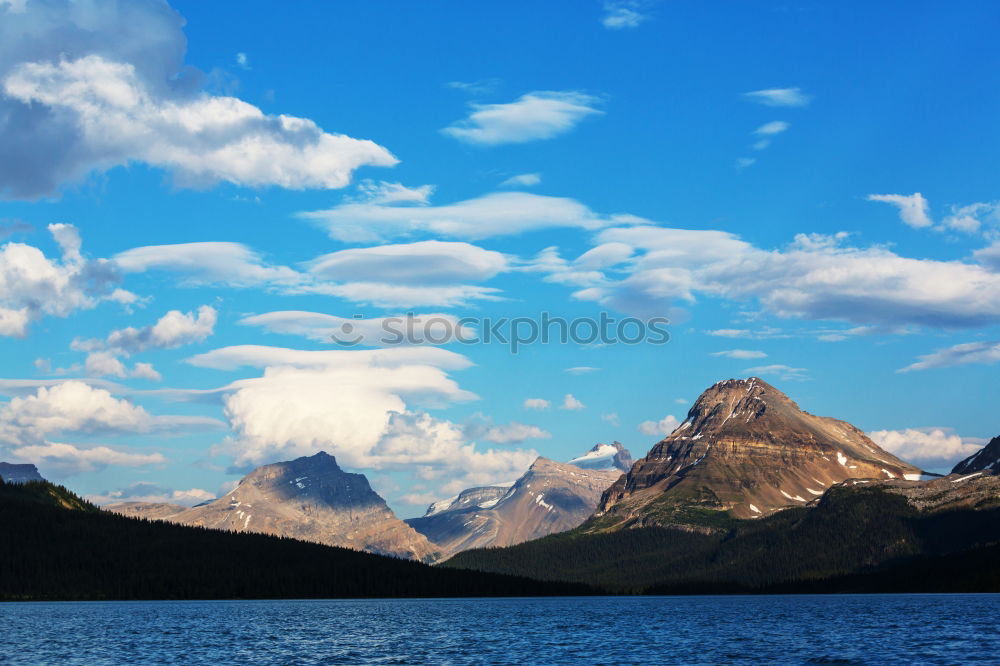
column 746, row 448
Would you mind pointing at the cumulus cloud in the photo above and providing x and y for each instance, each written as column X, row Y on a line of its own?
column 571, row 403
column 622, row 14
column 75, row 407
column 913, row 208
column 88, row 87
column 779, row 97
column 981, row 353
column 531, row 117
column 359, row 406
column 537, row 403
column 740, row 353
column 33, row 285
column 497, row 214
column 523, row 180
column 151, row 492
column 927, row 446
column 974, row 218
column 172, row 330
column 660, row 428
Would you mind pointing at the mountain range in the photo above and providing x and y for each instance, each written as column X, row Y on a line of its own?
column 748, row 493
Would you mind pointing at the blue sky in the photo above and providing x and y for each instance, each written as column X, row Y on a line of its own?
column 808, row 191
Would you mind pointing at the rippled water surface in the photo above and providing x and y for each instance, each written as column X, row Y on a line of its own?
column 907, row 629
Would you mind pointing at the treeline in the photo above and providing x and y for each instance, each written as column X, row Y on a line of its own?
column 857, row 539
column 52, row 552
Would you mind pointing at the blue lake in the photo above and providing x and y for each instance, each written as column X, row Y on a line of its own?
column 931, row 629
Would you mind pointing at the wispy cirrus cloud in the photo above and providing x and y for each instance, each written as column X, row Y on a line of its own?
column 532, row 117
column 779, row 97
column 623, row 14
column 979, row 353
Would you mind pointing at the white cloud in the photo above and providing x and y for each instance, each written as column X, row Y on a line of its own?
column 740, row 353
column 660, row 428
column 151, row 492
column 523, row 180
column 242, row 60
column 356, row 405
column 104, row 364
column 481, row 427
column 612, row 418
column 812, row 278
column 384, row 295
column 383, row 192
column 744, row 162
column 376, row 332
column 772, row 128
column 581, row 370
column 87, row 97
column 537, row 403
column 32, row 285
column 912, row 208
column 260, row 356
column 983, row 353
column 145, row 371
column 973, row 218
column 622, row 14
column 231, row 264
column 423, row 263
column 69, row 460
column 784, row 372
column 989, row 257
column 779, row 97
column 481, row 87
column 571, row 403
column 926, row 446
column 172, row 330
column 74, row 407
column 534, row 116
column 497, row 214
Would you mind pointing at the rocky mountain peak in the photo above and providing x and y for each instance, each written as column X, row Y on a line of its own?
column 606, row 457
column 986, row 459
column 310, row 498
column 748, row 449
column 14, row 473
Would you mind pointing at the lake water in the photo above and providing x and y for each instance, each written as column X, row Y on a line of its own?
column 932, row 629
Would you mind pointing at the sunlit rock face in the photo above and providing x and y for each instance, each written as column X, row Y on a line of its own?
column 311, row 499
column 550, row 497
column 747, row 449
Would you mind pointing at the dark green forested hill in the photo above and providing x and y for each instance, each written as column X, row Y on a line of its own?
column 56, row 546
column 857, row 539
